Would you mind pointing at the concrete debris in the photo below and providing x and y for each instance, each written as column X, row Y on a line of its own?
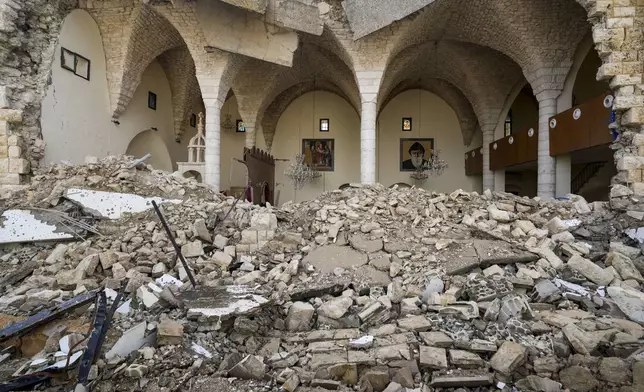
column 365, row 288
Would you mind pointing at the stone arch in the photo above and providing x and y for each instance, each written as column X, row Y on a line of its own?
column 258, row 84
column 151, row 35
column 483, row 75
column 197, row 175
column 149, row 141
column 539, row 36
column 450, row 94
column 281, row 102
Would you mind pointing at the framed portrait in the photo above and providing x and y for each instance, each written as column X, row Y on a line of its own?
column 319, row 153
column 152, row 100
column 193, row 120
column 415, row 153
column 406, row 124
column 240, row 126
column 324, row 125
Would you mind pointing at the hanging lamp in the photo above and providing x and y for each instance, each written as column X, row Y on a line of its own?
column 299, row 172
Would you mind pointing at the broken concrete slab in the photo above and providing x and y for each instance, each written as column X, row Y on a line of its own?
column 28, row 226
column 222, row 302
column 329, row 257
column 497, row 252
column 131, row 340
column 112, row 205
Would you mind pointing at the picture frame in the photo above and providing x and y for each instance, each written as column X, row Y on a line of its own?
column 415, row 152
column 152, row 100
column 193, row 120
column 240, row 127
column 406, row 124
column 319, row 154
column 324, row 125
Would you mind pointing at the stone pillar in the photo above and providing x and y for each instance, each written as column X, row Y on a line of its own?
column 368, row 143
column 251, row 132
column 213, row 143
column 563, row 168
column 546, row 164
column 488, row 175
column 369, row 84
column 563, row 175
column 499, row 180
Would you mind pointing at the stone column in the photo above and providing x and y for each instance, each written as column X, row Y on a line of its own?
column 369, row 85
column 563, row 169
column 546, row 164
column 213, row 143
column 251, row 133
column 368, row 143
column 499, row 180
column 488, row 175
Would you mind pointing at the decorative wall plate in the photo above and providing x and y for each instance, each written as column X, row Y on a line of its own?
column 530, row 132
column 553, row 123
column 494, row 146
column 576, row 114
column 510, row 140
column 608, row 101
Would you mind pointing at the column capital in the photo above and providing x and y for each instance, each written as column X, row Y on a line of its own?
column 213, row 103
column 548, row 94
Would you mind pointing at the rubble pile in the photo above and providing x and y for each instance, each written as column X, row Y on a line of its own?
column 366, row 288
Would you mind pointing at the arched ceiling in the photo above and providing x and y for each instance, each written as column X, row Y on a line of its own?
column 535, row 34
column 483, row 75
column 258, row 84
column 282, row 102
column 450, row 94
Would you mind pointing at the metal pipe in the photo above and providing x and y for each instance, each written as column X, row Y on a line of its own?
column 174, row 243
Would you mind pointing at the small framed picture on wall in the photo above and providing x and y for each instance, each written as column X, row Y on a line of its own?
column 152, row 100
column 406, row 124
column 324, row 125
column 241, row 127
column 193, row 120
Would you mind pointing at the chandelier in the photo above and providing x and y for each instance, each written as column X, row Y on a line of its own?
column 227, row 125
column 434, row 167
column 300, row 173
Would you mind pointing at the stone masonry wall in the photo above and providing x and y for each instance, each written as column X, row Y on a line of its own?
column 617, row 33
column 28, row 35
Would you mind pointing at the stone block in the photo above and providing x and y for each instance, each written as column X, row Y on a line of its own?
column 4, row 165
column 433, row 358
column 18, row 165
column 4, row 128
column 509, row 357
column 249, row 237
column 299, row 316
column 590, row 270
column 264, row 221
column 436, row 339
column 11, row 115
column 4, row 97
column 169, row 333
column 14, row 151
column 415, row 323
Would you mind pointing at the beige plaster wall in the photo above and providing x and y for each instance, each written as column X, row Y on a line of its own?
column 232, row 146
column 434, row 118
column 301, row 121
column 76, row 118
